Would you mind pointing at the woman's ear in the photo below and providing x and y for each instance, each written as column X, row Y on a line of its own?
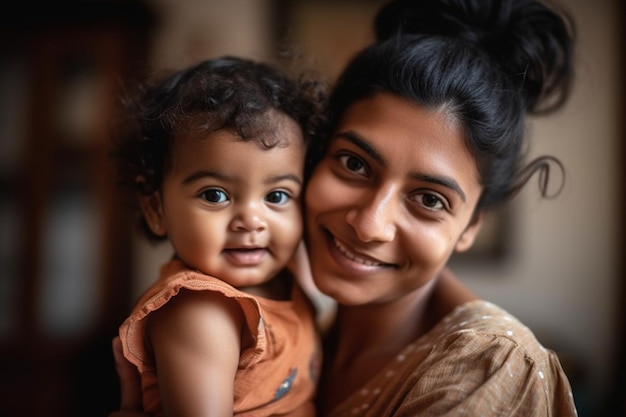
column 152, row 208
column 467, row 238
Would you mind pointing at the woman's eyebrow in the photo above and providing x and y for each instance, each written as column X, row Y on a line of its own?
column 355, row 139
column 441, row 180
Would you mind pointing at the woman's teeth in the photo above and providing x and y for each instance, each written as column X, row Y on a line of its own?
column 352, row 256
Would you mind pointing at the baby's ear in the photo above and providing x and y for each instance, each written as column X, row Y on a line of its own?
column 152, row 208
column 467, row 238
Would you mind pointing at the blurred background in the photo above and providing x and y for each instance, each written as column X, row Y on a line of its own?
column 71, row 266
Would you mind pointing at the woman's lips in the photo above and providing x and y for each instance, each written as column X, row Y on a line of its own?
column 349, row 259
column 352, row 256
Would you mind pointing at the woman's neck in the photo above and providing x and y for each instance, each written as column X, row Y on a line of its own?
column 382, row 329
column 364, row 339
column 398, row 323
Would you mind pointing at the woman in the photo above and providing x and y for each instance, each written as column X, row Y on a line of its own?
column 425, row 137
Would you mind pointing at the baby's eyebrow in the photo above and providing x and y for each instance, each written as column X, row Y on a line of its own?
column 288, row 177
column 203, row 174
column 220, row 176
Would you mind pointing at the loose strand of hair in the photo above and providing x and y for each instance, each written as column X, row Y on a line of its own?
column 542, row 166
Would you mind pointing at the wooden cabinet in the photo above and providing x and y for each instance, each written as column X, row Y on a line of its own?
column 64, row 250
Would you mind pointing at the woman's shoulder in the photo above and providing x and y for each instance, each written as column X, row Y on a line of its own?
column 487, row 359
column 482, row 323
column 483, row 336
column 478, row 360
column 481, row 315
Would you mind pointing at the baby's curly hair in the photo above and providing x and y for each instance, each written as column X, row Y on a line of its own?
column 230, row 93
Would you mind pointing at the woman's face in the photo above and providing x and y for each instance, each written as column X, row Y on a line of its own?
column 390, row 201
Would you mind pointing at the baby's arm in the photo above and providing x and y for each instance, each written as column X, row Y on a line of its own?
column 130, row 385
column 196, row 339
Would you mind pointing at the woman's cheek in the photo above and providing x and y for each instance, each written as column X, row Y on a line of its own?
column 321, row 189
column 435, row 245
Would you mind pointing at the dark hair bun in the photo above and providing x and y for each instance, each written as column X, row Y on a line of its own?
column 530, row 41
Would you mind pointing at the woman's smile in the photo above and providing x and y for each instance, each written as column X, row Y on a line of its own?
column 349, row 258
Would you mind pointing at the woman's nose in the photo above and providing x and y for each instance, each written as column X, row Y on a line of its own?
column 249, row 217
column 374, row 219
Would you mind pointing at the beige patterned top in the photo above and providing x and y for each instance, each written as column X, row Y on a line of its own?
column 478, row 361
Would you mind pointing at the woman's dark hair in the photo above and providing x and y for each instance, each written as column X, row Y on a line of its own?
column 487, row 62
column 231, row 93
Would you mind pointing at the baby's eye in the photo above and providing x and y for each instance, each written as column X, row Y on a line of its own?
column 353, row 163
column 277, row 197
column 214, row 195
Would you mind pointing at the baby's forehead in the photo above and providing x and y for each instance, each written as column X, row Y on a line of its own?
column 279, row 132
column 273, row 129
column 230, row 158
column 269, row 128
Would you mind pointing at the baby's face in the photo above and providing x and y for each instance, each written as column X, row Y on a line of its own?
column 231, row 208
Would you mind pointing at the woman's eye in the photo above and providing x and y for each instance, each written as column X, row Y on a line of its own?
column 352, row 163
column 214, row 195
column 277, row 197
column 430, row 201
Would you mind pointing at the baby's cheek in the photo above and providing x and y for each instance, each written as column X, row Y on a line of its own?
column 288, row 234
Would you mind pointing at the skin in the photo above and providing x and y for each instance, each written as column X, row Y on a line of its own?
column 391, row 200
column 389, row 203
column 231, row 209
